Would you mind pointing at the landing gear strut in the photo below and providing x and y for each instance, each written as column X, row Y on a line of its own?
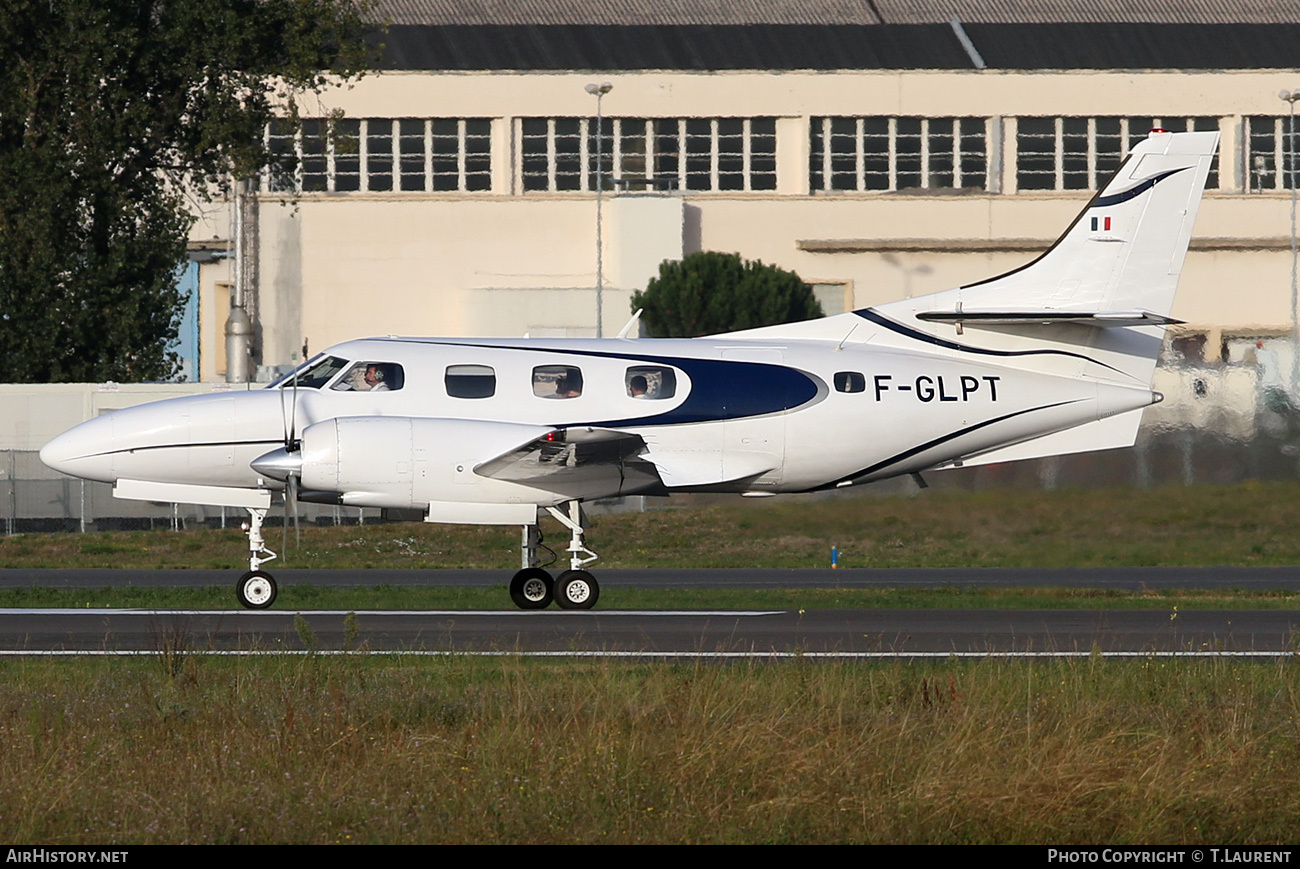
column 256, row 589
column 575, row 588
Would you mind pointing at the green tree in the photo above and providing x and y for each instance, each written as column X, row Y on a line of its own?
column 116, row 116
column 706, row 293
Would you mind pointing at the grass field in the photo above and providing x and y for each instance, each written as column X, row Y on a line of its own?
column 370, row 750
column 1246, row 524
column 187, row 748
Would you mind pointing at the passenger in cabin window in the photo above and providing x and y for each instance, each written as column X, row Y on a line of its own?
column 637, row 386
column 567, row 388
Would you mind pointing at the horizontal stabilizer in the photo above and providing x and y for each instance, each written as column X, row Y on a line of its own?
column 1092, row 319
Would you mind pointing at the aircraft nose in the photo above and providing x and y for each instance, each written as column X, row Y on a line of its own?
column 84, row 451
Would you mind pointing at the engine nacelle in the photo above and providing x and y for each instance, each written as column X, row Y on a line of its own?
column 404, row 462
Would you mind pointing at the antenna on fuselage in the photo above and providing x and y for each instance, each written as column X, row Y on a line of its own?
column 626, row 331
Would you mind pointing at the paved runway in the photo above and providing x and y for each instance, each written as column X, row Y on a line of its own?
column 1130, row 578
column 667, row 634
column 664, row 633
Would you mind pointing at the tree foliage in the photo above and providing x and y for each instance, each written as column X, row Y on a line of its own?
column 706, row 293
column 114, row 116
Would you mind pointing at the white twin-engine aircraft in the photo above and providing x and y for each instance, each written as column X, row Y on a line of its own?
column 1055, row 357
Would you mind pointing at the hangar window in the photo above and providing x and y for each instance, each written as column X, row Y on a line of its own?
column 1082, row 153
column 471, row 381
column 650, row 381
column 1268, row 159
column 558, row 154
column 557, row 381
column 381, row 154
column 883, row 153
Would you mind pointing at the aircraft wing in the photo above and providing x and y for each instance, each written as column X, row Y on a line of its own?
column 580, row 462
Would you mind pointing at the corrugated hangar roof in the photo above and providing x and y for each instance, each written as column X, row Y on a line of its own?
column 549, row 35
column 736, row 12
column 848, row 46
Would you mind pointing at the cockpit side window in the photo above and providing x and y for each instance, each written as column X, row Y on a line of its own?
column 372, row 377
column 471, row 381
column 313, row 375
column 557, row 381
column 650, row 381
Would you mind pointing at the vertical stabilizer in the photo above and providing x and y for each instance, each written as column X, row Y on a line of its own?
column 1108, row 282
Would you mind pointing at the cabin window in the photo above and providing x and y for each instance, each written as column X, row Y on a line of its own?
column 471, row 381
column 650, row 381
column 371, row 377
column 557, row 381
column 850, row 381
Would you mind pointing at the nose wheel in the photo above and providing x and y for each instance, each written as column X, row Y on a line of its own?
column 256, row 590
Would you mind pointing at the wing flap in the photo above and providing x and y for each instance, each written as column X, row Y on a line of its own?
column 578, row 462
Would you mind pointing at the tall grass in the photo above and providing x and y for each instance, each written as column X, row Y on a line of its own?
column 194, row 749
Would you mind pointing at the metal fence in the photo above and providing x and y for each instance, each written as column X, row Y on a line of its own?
column 36, row 498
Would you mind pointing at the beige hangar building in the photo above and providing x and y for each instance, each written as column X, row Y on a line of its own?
column 879, row 148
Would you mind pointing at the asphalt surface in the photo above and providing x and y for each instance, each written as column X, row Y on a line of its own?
column 1123, row 578
column 885, row 632
column 897, row 632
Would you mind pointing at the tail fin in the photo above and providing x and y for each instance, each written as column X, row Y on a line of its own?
column 1114, row 270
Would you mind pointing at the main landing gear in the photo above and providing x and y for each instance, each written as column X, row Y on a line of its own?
column 532, row 588
column 256, row 589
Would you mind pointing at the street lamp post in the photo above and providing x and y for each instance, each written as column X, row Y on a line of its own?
column 599, row 91
column 1291, row 97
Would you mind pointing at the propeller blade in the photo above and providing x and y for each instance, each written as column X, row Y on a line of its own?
column 292, row 443
column 284, row 527
column 292, row 493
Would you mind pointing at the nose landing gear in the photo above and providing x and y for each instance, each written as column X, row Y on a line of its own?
column 256, row 589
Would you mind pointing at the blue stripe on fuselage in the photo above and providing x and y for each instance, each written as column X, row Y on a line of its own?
column 721, row 389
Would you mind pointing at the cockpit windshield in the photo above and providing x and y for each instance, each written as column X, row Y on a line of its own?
column 313, row 375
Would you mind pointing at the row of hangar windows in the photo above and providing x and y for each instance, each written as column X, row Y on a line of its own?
column 846, row 153
column 651, row 382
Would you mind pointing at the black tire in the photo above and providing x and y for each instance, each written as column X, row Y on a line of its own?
column 256, row 590
column 532, row 589
column 576, row 590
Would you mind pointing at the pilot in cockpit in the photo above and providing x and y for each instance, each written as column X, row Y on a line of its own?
column 365, row 377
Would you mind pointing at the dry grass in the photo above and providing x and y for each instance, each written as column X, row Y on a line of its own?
column 194, row 749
